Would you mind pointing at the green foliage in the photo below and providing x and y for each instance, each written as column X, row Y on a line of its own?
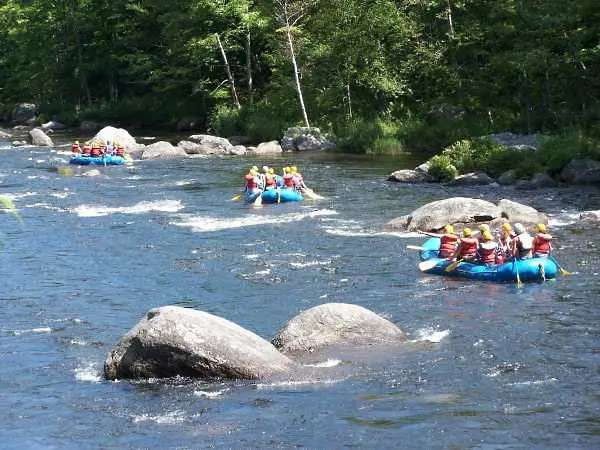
column 374, row 136
column 226, row 121
column 441, row 168
column 559, row 150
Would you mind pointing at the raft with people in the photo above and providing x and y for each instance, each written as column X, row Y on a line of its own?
column 97, row 154
column 515, row 256
column 531, row 269
column 269, row 187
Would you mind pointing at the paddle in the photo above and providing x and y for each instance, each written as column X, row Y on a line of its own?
column 453, row 266
column 415, row 247
column 9, row 205
column 429, row 264
column 258, row 201
column 309, row 193
column 236, row 198
column 516, row 267
column 562, row 271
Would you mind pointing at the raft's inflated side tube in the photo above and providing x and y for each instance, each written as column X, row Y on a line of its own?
column 110, row 160
column 532, row 269
column 276, row 196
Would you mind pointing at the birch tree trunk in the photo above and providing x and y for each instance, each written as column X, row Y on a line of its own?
column 249, row 68
column 289, row 20
column 229, row 74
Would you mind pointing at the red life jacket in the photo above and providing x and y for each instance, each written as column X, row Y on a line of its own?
column 251, row 182
column 87, row 149
column 95, row 150
column 288, row 180
column 487, row 252
column 120, row 151
column 447, row 245
column 270, row 180
column 75, row 148
column 468, row 248
column 541, row 244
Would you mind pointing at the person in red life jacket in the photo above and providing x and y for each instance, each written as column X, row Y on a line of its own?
column 96, row 149
column 504, row 243
column 270, row 179
column 288, row 178
column 542, row 245
column 252, row 182
column 467, row 246
column 120, row 150
column 448, row 241
column 75, row 148
column 297, row 178
column 482, row 229
column 522, row 243
column 488, row 249
column 87, row 150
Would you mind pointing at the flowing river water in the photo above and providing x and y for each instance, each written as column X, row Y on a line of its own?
column 487, row 366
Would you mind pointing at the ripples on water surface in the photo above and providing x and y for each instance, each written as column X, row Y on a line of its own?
column 487, row 366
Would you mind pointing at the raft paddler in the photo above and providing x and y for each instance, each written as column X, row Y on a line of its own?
column 448, row 241
column 522, row 244
column 542, row 242
column 487, row 250
column 467, row 246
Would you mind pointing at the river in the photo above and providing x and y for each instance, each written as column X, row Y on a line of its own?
column 487, row 366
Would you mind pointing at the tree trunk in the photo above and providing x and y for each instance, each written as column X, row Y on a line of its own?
column 229, row 74
column 249, row 68
column 82, row 75
column 450, row 22
column 288, row 31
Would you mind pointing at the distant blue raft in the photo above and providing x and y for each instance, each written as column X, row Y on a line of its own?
column 277, row 196
column 109, row 160
column 532, row 269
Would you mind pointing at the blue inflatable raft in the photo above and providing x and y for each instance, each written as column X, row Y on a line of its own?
column 532, row 269
column 108, row 160
column 277, row 196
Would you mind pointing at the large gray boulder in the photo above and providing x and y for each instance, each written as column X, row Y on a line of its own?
column 172, row 340
column 517, row 212
column 119, row 136
column 305, row 139
column 210, row 145
column 335, row 324
column 581, row 171
column 266, row 148
column 5, row 135
column 410, row 176
column 38, row 138
column 539, row 180
column 25, row 114
column 433, row 216
column 471, row 179
column 163, row 150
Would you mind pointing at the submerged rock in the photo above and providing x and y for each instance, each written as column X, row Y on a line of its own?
column 335, row 324
column 171, row 341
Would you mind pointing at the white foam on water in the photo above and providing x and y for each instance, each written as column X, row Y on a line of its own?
column 138, row 208
column 87, row 372
column 533, row 382
column 44, row 206
column 19, row 195
column 297, row 383
column 40, row 330
column 347, row 231
column 327, row 363
column 431, row 335
column 170, row 417
column 253, row 256
column 210, row 394
column 204, row 224
column 301, row 265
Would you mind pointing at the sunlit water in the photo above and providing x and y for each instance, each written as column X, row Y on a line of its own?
column 486, row 366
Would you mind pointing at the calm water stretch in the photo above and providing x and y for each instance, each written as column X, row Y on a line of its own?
column 488, row 366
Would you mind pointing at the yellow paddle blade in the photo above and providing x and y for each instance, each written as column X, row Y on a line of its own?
column 236, row 198
column 8, row 204
column 564, row 272
column 428, row 264
column 453, row 265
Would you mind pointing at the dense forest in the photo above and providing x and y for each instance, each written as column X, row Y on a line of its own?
column 378, row 74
